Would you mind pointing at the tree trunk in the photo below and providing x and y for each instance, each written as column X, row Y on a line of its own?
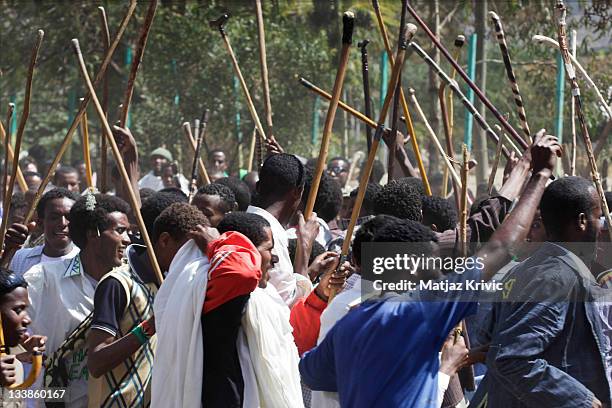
column 480, row 142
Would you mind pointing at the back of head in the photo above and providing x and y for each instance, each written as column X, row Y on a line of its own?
column 250, row 225
column 366, row 233
column 400, row 200
column 9, row 281
column 440, row 212
column 62, row 170
column 176, row 191
column 369, row 199
column 329, row 196
column 279, row 175
column 153, row 206
column 178, row 220
column 228, row 199
column 421, row 238
column 563, row 201
column 317, row 249
column 53, row 194
column 90, row 213
column 241, row 191
column 415, row 183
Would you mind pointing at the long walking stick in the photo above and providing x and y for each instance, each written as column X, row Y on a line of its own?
column 138, row 55
column 86, row 156
column 20, row 179
column 347, row 38
column 518, row 100
column 413, row 138
column 405, row 35
column 604, row 104
column 261, row 34
column 118, row 159
column 103, row 147
column 219, row 24
column 192, row 143
column 449, row 141
column 466, row 78
column 434, row 139
column 571, row 76
column 455, row 88
column 19, row 136
column 7, row 144
column 459, row 42
column 573, row 116
column 196, row 156
column 498, row 152
column 82, row 108
column 365, row 75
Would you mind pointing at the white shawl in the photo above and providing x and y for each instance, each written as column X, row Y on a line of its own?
column 178, row 368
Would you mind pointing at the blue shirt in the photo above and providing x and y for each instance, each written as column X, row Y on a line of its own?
column 385, row 352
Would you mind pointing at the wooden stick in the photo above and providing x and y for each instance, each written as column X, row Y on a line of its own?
column 264, row 65
column 405, row 35
column 433, row 137
column 459, row 41
column 455, row 88
column 366, row 88
column 77, row 119
column 508, row 141
column 449, row 144
column 364, row 118
column 196, row 156
column 19, row 137
column 7, row 145
column 347, row 38
column 20, row 179
column 573, row 115
column 138, row 55
column 518, row 100
column 252, row 148
column 408, row 118
column 118, row 159
column 577, row 65
column 219, row 25
column 86, row 156
column 467, row 79
column 103, row 147
column 192, row 143
column 464, row 201
column 571, row 76
column 498, row 152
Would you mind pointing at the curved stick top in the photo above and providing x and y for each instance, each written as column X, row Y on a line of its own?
column 406, row 35
column 219, row 23
column 348, row 20
column 363, row 44
column 494, row 16
column 459, row 41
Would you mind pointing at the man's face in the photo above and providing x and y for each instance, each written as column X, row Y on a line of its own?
column 82, row 169
column 338, row 170
column 114, row 239
column 535, row 237
column 157, row 164
column 55, row 223
column 267, row 258
column 593, row 223
column 165, row 249
column 168, row 176
column 69, row 181
column 33, row 182
column 218, row 162
column 211, row 206
column 15, row 318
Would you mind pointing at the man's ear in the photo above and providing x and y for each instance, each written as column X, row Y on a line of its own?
column 234, row 207
column 582, row 222
column 434, row 227
column 163, row 240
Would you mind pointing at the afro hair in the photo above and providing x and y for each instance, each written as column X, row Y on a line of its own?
column 153, row 206
column 329, row 196
column 317, row 249
column 241, row 191
column 369, row 199
column 177, row 220
column 224, row 192
column 53, row 194
column 399, row 199
column 366, row 233
column 414, row 182
column 83, row 219
column 250, row 225
column 439, row 211
column 280, row 174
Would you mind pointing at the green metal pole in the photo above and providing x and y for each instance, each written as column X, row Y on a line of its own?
column 560, row 98
column 471, row 71
column 128, row 63
column 315, row 121
column 384, row 76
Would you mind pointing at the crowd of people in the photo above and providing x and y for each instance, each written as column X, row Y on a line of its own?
column 258, row 309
